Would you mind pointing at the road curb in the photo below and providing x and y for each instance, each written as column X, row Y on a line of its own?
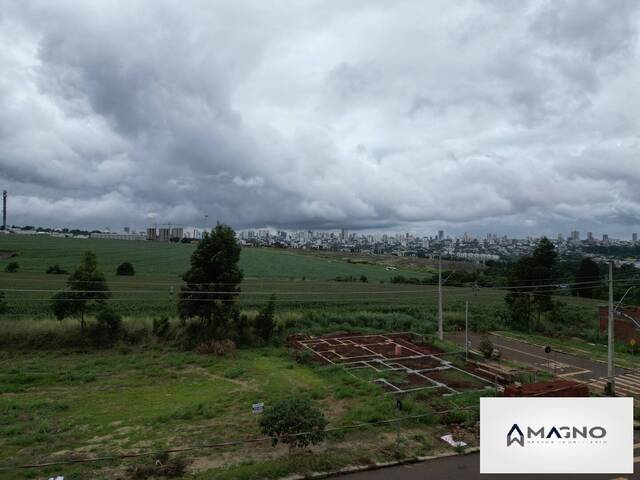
column 378, row 465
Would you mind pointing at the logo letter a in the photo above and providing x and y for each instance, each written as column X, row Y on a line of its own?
column 515, row 435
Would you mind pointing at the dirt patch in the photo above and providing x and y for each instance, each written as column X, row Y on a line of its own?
column 5, row 254
column 204, row 371
column 419, row 363
column 457, row 383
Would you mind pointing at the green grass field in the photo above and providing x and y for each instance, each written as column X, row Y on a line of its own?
column 168, row 260
column 301, row 281
column 59, row 406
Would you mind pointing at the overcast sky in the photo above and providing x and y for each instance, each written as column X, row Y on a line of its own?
column 481, row 116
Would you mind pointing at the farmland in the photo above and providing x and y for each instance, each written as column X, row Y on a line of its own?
column 159, row 260
column 299, row 280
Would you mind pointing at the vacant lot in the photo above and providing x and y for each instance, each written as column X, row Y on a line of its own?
column 61, row 406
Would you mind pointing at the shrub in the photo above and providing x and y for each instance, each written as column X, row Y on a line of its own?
column 109, row 327
column 220, row 348
column 3, row 303
column 287, row 419
column 56, row 270
column 364, row 279
column 264, row 321
column 486, row 347
column 125, row 268
column 12, row 267
column 161, row 326
column 303, row 357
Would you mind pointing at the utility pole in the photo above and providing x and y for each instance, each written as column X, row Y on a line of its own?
column 611, row 385
column 440, row 327
column 466, row 331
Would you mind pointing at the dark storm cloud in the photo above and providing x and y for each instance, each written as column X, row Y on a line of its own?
column 479, row 116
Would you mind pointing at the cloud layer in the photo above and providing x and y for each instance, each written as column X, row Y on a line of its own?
column 481, row 116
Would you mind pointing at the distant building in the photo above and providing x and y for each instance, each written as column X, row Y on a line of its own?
column 634, row 238
column 152, row 234
column 605, row 238
column 590, row 236
column 127, row 230
column 119, row 236
column 164, row 234
column 440, row 235
column 575, row 236
column 177, row 232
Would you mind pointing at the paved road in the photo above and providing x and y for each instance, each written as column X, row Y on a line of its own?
column 467, row 467
column 562, row 364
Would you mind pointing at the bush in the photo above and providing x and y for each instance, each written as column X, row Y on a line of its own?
column 303, row 357
column 109, row 327
column 220, row 348
column 486, row 348
column 56, row 270
column 125, row 268
column 12, row 267
column 161, row 327
column 287, row 419
column 3, row 303
column 264, row 321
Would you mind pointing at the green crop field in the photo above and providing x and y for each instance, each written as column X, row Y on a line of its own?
column 299, row 280
column 168, row 260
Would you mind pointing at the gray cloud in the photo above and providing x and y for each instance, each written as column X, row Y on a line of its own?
column 477, row 116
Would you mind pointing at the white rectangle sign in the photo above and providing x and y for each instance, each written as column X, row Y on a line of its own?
column 556, row 435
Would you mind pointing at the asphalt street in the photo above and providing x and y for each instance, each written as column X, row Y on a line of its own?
column 467, row 467
column 558, row 363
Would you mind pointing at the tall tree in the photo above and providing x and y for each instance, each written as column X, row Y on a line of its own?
column 211, row 284
column 86, row 291
column 588, row 271
column 529, row 280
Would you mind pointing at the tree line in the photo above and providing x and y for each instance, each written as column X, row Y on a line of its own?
column 208, row 304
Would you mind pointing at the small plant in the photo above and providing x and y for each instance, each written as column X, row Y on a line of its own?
column 126, row 269
column 295, row 422
column 12, row 267
column 459, row 449
column 364, row 279
column 486, row 348
column 56, row 270
column 303, row 357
